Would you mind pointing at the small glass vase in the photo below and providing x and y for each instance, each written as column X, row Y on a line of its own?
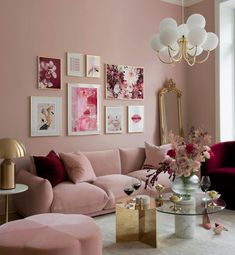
column 185, row 186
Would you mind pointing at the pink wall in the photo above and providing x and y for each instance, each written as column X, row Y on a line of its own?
column 118, row 31
column 201, row 79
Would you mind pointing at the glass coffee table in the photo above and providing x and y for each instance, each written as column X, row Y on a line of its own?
column 187, row 210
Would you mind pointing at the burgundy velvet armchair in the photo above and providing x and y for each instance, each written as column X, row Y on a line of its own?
column 221, row 169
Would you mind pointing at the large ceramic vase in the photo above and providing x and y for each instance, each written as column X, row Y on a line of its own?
column 185, row 186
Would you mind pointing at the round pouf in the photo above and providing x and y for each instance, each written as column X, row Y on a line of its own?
column 51, row 234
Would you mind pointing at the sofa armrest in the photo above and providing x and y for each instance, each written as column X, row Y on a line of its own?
column 37, row 199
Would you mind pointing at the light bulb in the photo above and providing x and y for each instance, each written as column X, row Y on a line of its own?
column 182, row 30
column 197, row 36
column 156, row 44
column 196, row 20
column 167, row 22
column 211, row 41
column 168, row 36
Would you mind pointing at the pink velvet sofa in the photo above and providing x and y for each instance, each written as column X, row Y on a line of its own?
column 114, row 169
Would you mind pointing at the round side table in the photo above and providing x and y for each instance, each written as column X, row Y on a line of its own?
column 18, row 189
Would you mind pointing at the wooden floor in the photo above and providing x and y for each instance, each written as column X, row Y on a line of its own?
column 11, row 217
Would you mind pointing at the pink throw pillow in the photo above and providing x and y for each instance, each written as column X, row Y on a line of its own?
column 155, row 155
column 50, row 168
column 78, row 167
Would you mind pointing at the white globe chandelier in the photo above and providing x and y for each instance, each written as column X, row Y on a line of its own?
column 189, row 42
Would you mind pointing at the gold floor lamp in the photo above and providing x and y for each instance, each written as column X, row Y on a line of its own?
column 9, row 149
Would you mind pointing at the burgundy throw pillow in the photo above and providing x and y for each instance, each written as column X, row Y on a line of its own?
column 50, row 168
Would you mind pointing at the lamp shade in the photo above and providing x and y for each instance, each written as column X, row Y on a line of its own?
column 211, row 41
column 196, row 20
column 11, row 148
column 197, row 36
column 167, row 22
column 168, row 36
column 156, row 44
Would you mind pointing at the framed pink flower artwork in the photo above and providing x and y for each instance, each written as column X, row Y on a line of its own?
column 83, row 109
column 124, row 82
column 49, row 73
column 135, row 118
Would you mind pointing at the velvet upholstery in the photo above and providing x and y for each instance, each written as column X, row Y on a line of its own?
column 221, row 169
column 51, row 234
column 78, row 167
column 93, row 198
column 51, row 168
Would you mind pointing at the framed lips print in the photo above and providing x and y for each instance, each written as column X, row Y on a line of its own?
column 135, row 118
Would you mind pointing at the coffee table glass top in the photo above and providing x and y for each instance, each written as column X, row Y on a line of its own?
column 194, row 207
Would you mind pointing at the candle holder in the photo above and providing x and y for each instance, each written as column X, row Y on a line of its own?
column 175, row 199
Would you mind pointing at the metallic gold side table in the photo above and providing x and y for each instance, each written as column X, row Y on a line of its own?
column 136, row 224
column 18, row 189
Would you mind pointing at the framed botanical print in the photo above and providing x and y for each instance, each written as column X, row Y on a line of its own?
column 135, row 118
column 124, row 82
column 93, row 67
column 45, row 116
column 83, row 109
column 49, row 73
column 114, row 119
column 75, row 64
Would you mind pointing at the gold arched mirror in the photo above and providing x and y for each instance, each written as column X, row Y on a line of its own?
column 170, row 111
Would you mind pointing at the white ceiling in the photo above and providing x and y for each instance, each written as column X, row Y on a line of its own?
column 186, row 3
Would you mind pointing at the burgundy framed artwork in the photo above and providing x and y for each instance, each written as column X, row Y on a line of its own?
column 49, row 73
column 124, row 82
column 83, row 109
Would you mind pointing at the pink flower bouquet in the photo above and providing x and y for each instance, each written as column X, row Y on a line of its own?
column 185, row 157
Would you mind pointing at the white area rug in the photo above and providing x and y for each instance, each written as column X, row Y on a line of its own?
column 205, row 241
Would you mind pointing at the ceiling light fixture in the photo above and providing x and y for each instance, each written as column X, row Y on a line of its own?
column 187, row 41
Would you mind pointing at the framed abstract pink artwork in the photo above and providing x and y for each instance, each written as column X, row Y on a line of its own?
column 124, row 82
column 49, row 73
column 83, row 109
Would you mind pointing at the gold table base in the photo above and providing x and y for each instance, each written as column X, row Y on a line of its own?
column 136, row 225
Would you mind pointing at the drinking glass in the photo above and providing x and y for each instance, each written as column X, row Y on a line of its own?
column 128, row 190
column 205, row 184
column 136, row 184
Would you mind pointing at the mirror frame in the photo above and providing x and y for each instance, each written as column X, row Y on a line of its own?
column 169, row 86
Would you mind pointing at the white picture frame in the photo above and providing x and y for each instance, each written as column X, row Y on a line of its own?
column 75, row 64
column 93, row 66
column 46, row 116
column 113, row 119
column 135, row 118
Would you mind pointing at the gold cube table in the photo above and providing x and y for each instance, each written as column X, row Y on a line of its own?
column 136, row 224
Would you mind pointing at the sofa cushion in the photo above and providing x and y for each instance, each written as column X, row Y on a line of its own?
column 155, row 155
column 105, row 162
column 131, row 159
column 114, row 185
column 78, row 167
column 51, row 168
column 83, row 198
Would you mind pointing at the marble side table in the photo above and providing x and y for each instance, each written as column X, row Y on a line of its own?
column 6, row 192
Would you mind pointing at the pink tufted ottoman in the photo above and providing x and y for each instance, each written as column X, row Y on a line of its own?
column 51, row 234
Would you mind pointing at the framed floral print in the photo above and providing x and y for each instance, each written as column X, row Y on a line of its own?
column 124, row 82
column 45, row 116
column 93, row 67
column 49, row 73
column 135, row 118
column 83, row 109
column 114, row 119
column 75, row 64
